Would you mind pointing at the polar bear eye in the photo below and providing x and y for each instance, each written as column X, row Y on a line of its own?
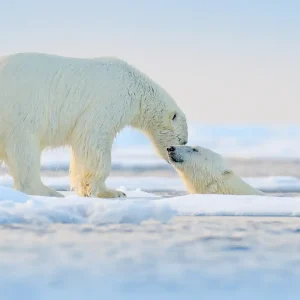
column 174, row 117
column 195, row 150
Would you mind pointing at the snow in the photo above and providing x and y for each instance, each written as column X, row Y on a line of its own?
column 16, row 207
column 13, row 195
column 156, row 183
column 215, row 258
column 136, row 248
column 227, row 205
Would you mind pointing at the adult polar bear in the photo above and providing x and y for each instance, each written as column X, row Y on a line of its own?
column 51, row 101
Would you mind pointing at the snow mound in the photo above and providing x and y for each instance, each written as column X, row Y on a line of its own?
column 228, row 205
column 16, row 207
column 8, row 193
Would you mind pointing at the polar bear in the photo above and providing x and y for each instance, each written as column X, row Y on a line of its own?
column 49, row 101
column 206, row 172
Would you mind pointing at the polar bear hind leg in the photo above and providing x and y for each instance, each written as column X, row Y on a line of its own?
column 23, row 161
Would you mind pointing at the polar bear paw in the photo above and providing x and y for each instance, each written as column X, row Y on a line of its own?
column 109, row 193
column 42, row 191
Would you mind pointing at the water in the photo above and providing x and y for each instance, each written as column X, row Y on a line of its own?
column 214, row 257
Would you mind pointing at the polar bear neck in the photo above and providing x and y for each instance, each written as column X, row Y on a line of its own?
column 234, row 185
column 152, row 102
column 225, row 184
column 152, row 99
column 194, row 183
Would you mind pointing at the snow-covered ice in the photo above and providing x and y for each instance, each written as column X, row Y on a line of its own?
column 148, row 247
column 16, row 207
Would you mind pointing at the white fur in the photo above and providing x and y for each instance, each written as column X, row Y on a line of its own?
column 52, row 101
column 206, row 172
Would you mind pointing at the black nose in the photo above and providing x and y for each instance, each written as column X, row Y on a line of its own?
column 171, row 149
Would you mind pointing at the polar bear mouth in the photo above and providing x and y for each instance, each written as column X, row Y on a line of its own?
column 174, row 158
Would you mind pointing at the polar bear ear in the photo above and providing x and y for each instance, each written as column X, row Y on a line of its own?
column 172, row 118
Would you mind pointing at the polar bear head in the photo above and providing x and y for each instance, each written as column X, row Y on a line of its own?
column 206, row 172
column 163, row 122
column 196, row 162
column 198, row 167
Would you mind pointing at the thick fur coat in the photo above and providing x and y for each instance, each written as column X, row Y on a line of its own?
column 52, row 101
column 206, row 172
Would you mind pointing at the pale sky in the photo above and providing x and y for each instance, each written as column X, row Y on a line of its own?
column 223, row 61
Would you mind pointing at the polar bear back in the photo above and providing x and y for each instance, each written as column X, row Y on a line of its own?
column 46, row 94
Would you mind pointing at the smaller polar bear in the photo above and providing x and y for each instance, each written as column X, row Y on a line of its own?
column 206, row 172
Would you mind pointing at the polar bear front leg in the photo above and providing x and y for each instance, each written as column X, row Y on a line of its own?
column 88, row 173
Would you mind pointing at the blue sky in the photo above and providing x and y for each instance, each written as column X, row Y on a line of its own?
column 234, row 55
